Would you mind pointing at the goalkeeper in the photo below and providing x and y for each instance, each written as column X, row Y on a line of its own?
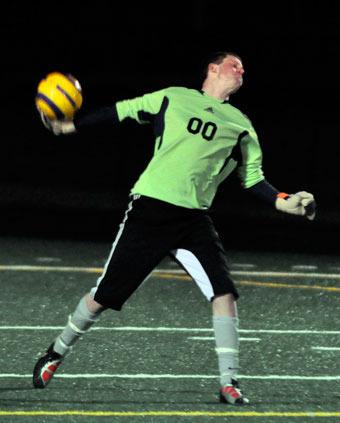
column 200, row 139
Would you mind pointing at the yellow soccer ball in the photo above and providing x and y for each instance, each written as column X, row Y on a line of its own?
column 59, row 96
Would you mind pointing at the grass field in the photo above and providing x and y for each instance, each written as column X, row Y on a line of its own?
column 155, row 360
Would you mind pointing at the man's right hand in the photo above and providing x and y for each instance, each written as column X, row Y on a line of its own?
column 57, row 126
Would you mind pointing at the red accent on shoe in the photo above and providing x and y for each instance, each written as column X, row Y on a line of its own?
column 49, row 372
column 231, row 391
column 53, row 367
column 46, row 376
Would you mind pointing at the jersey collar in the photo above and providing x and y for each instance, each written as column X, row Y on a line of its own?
column 209, row 96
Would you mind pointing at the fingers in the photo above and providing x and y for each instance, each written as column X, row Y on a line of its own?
column 53, row 126
column 305, row 196
column 308, row 203
column 310, row 209
column 46, row 121
column 310, row 216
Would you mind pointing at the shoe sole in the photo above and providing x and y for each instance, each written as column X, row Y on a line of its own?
column 240, row 402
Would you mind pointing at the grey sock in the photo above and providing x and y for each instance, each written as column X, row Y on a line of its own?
column 227, row 347
column 79, row 322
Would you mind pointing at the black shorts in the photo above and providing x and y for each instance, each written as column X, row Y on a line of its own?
column 151, row 230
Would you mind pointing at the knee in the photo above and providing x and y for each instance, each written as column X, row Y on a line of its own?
column 224, row 299
column 224, row 305
column 92, row 305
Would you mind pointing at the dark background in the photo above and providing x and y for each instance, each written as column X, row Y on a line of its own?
column 77, row 186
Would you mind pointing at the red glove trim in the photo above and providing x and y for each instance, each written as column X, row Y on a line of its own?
column 282, row 195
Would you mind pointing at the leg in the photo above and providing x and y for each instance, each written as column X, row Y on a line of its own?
column 139, row 246
column 85, row 314
column 224, row 305
column 225, row 322
column 203, row 257
column 92, row 305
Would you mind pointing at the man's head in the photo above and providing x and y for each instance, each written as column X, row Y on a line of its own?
column 224, row 70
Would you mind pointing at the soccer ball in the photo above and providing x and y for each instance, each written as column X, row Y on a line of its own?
column 59, row 96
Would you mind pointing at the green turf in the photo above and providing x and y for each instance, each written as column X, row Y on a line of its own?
column 46, row 298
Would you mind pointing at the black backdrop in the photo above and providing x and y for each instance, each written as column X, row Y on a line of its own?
column 78, row 185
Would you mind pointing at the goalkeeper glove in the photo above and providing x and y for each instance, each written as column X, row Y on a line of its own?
column 302, row 204
column 58, row 126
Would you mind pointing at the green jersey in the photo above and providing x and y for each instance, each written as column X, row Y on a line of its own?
column 199, row 141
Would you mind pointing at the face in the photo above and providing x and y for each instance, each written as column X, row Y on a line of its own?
column 230, row 71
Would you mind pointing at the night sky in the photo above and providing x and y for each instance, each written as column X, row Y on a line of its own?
column 290, row 52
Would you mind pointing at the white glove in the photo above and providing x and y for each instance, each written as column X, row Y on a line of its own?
column 302, row 203
column 58, row 126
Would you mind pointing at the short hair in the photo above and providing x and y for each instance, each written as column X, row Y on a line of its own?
column 217, row 57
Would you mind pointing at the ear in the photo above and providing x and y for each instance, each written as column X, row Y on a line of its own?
column 212, row 67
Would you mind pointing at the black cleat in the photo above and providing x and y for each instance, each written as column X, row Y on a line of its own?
column 45, row 368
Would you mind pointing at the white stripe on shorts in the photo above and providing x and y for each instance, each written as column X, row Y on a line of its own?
column 115, row 242
column 192, row 265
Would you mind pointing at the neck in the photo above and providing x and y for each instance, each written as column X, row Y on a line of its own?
column 214, row 90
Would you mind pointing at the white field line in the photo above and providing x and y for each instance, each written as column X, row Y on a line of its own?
column 83, row 269
column 174, row 329
column 326, row 348
column 304, row 267
column 169, row 376
column 212, row 338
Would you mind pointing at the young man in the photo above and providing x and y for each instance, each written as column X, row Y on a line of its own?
column 200, row 140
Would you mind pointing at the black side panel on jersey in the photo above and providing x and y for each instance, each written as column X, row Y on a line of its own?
column 236, row 152
column 159, row 123
column 157, row 120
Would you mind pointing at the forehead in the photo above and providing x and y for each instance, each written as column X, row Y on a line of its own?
column 232, row 60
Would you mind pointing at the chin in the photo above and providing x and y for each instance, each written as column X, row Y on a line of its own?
column 237, row 87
